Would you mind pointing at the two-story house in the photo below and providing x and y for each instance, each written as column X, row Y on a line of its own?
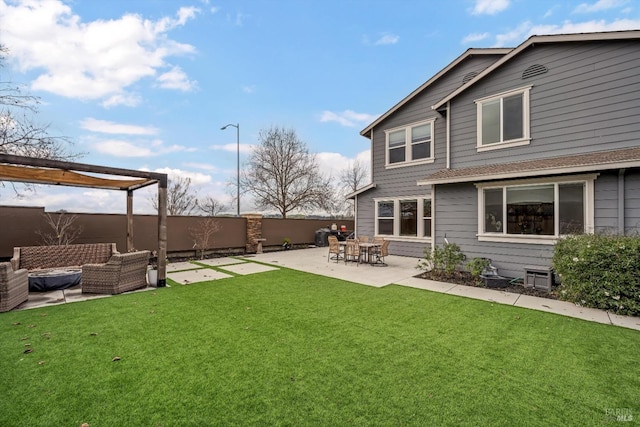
column 506, row 150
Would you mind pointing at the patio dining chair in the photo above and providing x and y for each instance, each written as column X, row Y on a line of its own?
column 363, row 239
column 381, row 252
column 352, row 251
column 334, row 249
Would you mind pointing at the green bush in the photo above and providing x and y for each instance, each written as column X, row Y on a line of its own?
column 477, row 265
column 445, row 259
column 600, row 271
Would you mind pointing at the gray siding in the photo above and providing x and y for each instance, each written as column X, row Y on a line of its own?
column 394, row 182
column 587, row 101
column 606, row 203
column 632, row 203
column 402, row 181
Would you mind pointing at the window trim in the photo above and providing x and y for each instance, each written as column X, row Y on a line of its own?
column 526, row 137
column 589, row 200
column 407, row 144
column 396, row 219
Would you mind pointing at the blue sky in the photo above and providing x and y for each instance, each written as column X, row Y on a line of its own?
column 147, row 84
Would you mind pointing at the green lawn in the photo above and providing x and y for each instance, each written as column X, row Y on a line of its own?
column 290, row 348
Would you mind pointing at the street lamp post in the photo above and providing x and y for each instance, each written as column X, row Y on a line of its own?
column 237, row 126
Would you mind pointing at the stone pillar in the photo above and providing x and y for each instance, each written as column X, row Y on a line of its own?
column 254, row 232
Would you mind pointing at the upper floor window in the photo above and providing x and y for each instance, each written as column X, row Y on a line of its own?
column 410, row 145
column 503, row 120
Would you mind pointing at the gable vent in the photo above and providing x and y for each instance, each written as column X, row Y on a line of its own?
column 469, row 76
column 534, row 70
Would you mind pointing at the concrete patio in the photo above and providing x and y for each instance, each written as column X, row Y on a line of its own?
column 398, row 270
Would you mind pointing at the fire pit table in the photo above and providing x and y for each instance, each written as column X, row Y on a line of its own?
column 53, row 280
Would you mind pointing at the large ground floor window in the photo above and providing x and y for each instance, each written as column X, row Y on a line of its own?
column 538, row 209
column 404, row 217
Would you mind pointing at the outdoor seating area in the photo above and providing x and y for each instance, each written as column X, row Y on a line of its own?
column 359, row 250
column 93, row 268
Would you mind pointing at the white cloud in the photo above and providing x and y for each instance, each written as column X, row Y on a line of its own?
column 96, row 60
column 176, row 79
column 197, row 178
column 550, row 12
column 204, row 166
column 526, row 29
column 334, row 164
column 120, row 148
column 387, row 39
column 599, row 6
column 489, row 7
column 104, row 126
column 124, row 99
column 475, row 37
column 515, row 36
column 123, row 148
column 347, row 118
column 244, row 148
column 249, row 89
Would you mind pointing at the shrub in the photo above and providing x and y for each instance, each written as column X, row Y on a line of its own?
column 445, row 259
column 477, row 265
column 600, row 271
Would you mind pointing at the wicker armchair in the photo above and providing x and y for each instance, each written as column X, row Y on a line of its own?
column 14, row 286
column 122, row 273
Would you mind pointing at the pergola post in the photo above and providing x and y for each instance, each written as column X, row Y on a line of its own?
column 130, row 221
column 162, row 232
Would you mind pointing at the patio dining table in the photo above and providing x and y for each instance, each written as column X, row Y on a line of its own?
column 367, row 247
column 369, row 250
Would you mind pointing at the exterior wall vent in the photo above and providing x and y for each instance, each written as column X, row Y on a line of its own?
column 534, row 70
column 469, row 76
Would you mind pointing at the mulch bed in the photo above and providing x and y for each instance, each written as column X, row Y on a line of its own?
column 466, row 279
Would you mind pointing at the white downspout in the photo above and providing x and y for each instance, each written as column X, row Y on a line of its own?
column 448, row 135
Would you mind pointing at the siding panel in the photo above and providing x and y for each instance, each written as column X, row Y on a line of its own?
column 587, row 101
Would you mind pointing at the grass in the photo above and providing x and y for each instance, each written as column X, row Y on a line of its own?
column 290, row 348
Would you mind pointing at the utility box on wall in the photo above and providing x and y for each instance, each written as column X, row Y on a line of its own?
column 538, row 277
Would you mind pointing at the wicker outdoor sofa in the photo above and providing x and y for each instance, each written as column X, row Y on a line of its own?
column 46, row 257
column 122, row 273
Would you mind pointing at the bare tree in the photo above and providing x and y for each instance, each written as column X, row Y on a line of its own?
column 62, row 230
column 351, row 179
column 181, row 200
column 210, row 206
column 19, row 133
column 283, row 175
column 202, row 234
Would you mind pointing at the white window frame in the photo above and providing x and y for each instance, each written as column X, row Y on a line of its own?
column 526, row 131
column 408, row 146
column 419, row 237
column 502, row 236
